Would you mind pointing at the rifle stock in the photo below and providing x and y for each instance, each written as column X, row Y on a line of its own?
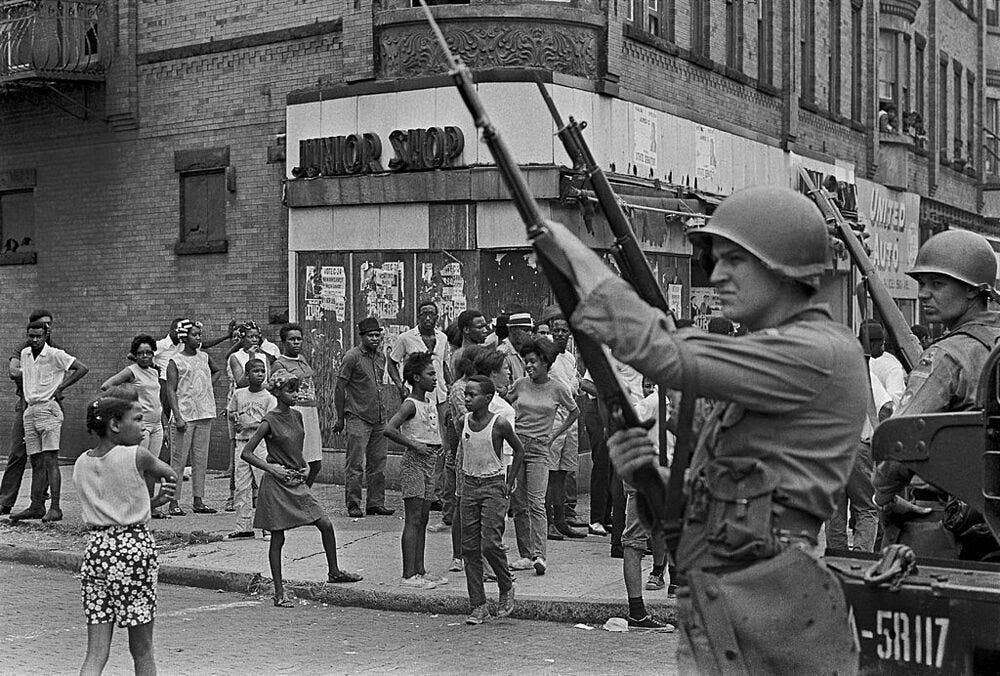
column 554, row 264
column 895, row 323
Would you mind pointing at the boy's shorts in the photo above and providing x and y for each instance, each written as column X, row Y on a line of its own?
column 417, row 473
column 42, row 426
column 118, row 576
column 564, row 453
column 635, row 534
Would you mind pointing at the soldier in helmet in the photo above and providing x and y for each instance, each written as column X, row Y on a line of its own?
column 775, row 451
column 955, row 270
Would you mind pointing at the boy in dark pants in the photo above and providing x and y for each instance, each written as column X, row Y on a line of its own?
column 485, row 496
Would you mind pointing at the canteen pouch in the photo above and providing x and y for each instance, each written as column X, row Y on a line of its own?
column 732, row 498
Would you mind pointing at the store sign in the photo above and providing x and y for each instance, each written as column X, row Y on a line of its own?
column 892, row 219
column 413, row 150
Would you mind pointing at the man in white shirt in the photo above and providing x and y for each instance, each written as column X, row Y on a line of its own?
column 566, row 447
column 45, row 372
column 883, row 365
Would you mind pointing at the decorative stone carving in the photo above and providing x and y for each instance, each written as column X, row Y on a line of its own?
column 410, row 50
column 907, row 9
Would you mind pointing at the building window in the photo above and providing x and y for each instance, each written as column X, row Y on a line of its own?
column 957, row 94
column 765, row 41
column 734, row 34
column 888, row 62
column 701, row 28
column 807, row 49
column 970, row 134
column 904, row 80
column 992, row 126
column 834, row 98
column 918, row 80
column 942, row 110
column 653, row 16
column 203, row 207
column 991, row 12
column 17, row 227
column 857, row 54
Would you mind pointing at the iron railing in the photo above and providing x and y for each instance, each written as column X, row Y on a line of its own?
column 53, row 39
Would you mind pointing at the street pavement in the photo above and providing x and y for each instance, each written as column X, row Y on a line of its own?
column 199, row 631
column 583, row 584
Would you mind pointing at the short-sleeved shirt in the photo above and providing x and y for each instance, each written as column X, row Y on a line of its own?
column 512, row 359
column 361, row 374
column 298, row 367
column 16, row 354
column 564, row 370
column 890, row 374
column 536, row 405
column 249, row 409
column 410, row 342
column 502, row 407
column 42, row 375
column 165, row 350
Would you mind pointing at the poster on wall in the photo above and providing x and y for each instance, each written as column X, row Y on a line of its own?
column 381, row 287
column 706, row 158
column 704, row 305
column 333, row 296
column 645, row 135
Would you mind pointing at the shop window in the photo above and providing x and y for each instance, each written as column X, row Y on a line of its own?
column 701, row 28
column 17, row 227
column 734, row 34
column 857, row 54
column 807, row 48
column 992, row 128
column 833, row 102
column 765, row 41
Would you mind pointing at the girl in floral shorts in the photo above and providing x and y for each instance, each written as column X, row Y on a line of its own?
column 119, row 567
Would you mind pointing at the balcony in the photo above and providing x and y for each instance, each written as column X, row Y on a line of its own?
column 45, row 41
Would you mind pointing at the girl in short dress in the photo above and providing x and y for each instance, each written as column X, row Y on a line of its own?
column 114, row 481
column 284, row 500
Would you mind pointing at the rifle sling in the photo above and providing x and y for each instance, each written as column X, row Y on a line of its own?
column 683, row 450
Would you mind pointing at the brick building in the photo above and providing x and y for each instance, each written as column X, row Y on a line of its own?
column 218, row 160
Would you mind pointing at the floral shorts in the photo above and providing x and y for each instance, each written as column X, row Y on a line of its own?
column 118, row 576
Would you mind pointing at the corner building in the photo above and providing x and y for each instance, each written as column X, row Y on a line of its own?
column 265, row 158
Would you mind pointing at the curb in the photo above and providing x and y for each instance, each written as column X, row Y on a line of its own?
column 551, row 610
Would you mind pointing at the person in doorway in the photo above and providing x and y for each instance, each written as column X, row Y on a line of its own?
column 358, row 403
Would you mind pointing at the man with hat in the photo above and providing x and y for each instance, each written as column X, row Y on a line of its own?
column 955, row 271
column 776, row 449
column 520, row 327
column 357, row 399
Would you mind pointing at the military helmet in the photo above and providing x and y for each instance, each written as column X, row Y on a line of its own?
column 782, row 228
column 958, row 254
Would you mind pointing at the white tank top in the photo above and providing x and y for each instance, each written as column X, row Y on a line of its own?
column 147, row 381
column 479, row 459
column 112, row 491
column 423, row 426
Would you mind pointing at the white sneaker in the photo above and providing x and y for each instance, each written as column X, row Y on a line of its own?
column 539, row 564
column 457, row 565
column 417, row 582
column 523, row 563
column 436, row 580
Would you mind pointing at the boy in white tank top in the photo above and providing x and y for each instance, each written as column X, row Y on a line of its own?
column 485, row 497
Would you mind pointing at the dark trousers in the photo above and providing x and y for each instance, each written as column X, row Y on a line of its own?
column 17, row 460
column 449, row 502
column 600, row 475
column 571, row 496
column 618, row 504
column 483, row 508
column 365, row 444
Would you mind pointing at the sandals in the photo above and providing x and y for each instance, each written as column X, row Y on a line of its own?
column 283, row 602
column 343, row 576
column 176, row 511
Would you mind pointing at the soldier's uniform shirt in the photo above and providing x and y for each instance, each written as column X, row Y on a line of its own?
column 945, row 379
column 793, row 395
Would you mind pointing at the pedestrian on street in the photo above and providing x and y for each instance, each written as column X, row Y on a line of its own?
column 45, row 373
column 955, row 272
column 485, row 497
column 17, row 456
column 284, row 500
column 118, row 573
column 535, row 398
column 520, row 328
column 776, row 450
column 191, row 375
column 415, row 427
column 358, row 403
column 292, row 361
column 247, row 408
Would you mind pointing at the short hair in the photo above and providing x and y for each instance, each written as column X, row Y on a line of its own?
column 486, row 385
column 487, row 361
column 38, row 314
column 872, row 330
column 290, row 326
column 253, row 362
column 720, row 326
column 425, row 302
column 415, row 365
column 545, row 349
column 35, row 324
column 141, row 339
column 102, row 411
column 501, row 326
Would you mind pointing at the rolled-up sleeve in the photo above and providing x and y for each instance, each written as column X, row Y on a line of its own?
column 773, row 371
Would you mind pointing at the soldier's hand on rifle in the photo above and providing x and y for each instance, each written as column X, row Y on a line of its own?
column 588, row 269
column 630, row 450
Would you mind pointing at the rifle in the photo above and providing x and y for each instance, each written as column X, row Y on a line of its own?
column 552, row 260
column 636, row 271
column 895, row 323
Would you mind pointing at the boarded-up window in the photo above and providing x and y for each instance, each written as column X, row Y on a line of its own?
column 17, row 226
column 203, row 206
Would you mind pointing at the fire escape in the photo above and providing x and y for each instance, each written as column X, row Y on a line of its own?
column 55, row 52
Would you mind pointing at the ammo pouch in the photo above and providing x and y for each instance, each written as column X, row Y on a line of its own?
column 731, row 502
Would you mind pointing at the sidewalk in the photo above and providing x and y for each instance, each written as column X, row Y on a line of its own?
column 582, row 584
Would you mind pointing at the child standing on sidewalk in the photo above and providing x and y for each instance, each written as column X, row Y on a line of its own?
column 118, row 574
column 284, row 500
column 415, row 426
column 485, row 497
column 247, row 408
